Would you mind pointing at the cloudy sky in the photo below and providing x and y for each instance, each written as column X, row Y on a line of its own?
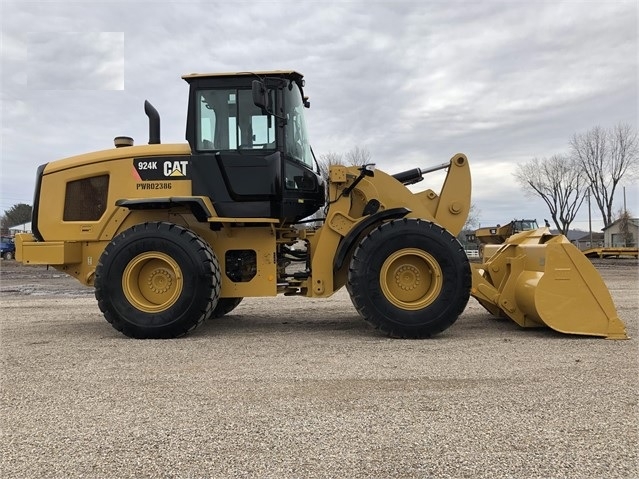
column 413, row 82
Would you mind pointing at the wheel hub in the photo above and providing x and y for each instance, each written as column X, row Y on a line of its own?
column 160, row 280
column 411, row 279
column 152, row 282
column 407, row 277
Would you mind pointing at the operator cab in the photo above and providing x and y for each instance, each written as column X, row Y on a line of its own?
column 250, row 149
column 524, row 225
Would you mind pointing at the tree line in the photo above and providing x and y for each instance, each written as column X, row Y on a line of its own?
column 356, row 156
column 16, row 215
column 594, row 165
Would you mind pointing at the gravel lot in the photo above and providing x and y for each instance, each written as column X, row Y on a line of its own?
column 288, row 387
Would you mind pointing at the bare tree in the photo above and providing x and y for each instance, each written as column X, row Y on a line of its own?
column 605, row 157
column 326, row 160
column 625, row 227
column 358, row 156
column 472, row 223
column 558, row 181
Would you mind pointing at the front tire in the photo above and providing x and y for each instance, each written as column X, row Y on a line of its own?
column 157, row 280
column 8, row 255
column 409, row 278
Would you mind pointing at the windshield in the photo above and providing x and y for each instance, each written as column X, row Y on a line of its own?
column 229, row 120
column 297, row 143
column 527, row 225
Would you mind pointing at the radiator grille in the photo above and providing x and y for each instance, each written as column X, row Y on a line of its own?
column 85, row 200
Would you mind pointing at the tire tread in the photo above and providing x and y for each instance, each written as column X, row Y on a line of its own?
column 356, row 287
column 196, row 244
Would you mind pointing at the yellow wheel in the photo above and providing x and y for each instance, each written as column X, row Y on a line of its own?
column 152, row 282
column 157, row 280
column 411, row 279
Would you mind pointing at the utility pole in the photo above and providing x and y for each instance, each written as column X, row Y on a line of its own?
column 625, row 218
column 590, row 219
column 624, row 200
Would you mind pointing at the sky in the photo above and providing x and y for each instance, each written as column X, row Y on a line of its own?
column 412, row 82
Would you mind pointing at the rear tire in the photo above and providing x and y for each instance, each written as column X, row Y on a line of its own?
column 8, row 255
column 409, row 278
column 225, row 306
column 157, row 280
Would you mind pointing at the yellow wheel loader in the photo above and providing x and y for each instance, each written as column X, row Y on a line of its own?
column 488, row 237
column 173, row 234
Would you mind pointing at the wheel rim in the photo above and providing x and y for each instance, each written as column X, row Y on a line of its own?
column 152, row 282
column 411, row 279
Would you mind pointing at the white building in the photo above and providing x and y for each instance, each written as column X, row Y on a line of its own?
column 23, row 228
column 613, row 237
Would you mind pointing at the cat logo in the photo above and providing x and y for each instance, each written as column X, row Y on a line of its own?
column 175, row 168
column 161, row 169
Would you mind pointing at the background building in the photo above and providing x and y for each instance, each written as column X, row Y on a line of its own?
column 614, row 236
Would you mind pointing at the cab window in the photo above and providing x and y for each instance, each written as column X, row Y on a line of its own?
column 229, row 120
column 297, row 141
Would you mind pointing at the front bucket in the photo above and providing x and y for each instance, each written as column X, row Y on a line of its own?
column 543, row 280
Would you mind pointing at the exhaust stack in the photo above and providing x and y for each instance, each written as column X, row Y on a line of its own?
column 154, row 123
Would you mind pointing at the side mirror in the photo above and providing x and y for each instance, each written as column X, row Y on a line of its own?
column 260, row 96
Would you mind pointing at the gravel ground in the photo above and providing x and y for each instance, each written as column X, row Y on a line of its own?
column 289, row 387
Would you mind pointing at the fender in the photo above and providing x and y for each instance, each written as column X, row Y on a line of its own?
column 349, row 240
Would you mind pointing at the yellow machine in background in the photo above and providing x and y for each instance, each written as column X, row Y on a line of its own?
column 488, row 237
column 499, row 234
column 173, row 234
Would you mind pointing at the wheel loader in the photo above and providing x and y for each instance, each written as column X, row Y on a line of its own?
column 488, row 238
column 500, row 233
column 171, row 235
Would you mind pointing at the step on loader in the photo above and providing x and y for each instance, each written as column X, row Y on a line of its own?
column 173, row 234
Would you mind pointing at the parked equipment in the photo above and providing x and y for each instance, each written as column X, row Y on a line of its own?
column 173, row 234
column 499, row 234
